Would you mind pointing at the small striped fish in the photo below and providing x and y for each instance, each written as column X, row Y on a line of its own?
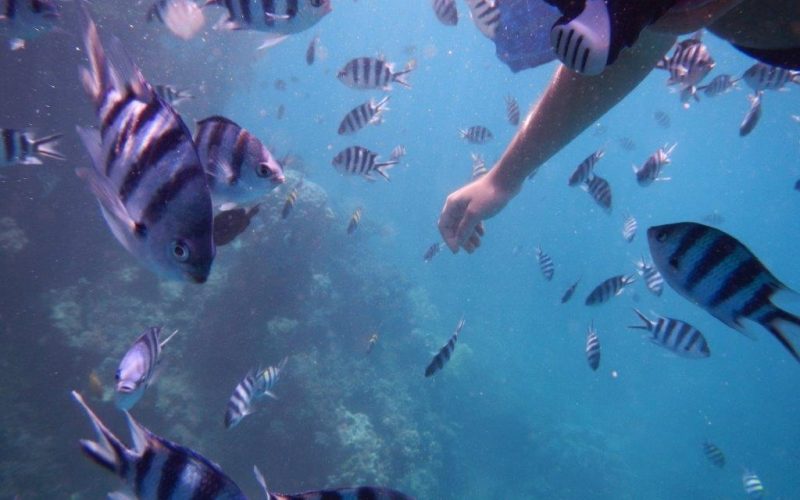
column 446, row 12
column 689, row 63
column 629, row 228
column 626, row 143
column 512, row 110
column 443, row 356
column 21, row 148
column 717, row 272
column 255, row 385
column 373, row 73
column 485, row 15
column 607, row 289
column 230, row 223
column 678, row 336
column 354, row 220
column 546, row 265
column 592, row 348
column 136, row 369
column 752, row 485
column 762, row 76
column 652, row 278
column 753, row 115
column 570, row 291
column 651, row 170
column 282, row 17
column 585, row 169
column 291, row 199
column 183, row 18
column 431, row 252
column 714, row 454
column 600, row 191
column 368, row 113
column 357, row 160
column 478, row 166
column 721, row 84
column 172, row 95
column 662, row 119
column 311, row 51
column 477, row 134
column 156, row 467
column 398, row 152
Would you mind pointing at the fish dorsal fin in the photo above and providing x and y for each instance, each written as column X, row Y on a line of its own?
column 139, row 435
column 126, row 74
column 164, row 342
column 105, row 449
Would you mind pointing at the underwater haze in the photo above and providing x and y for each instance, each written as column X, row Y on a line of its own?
column 516, row 412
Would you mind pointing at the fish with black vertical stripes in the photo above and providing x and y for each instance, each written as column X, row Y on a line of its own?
column 592, row 348
column 172, row 95
column 22, row 148
column 762, row 76
column 714, row 454
column 569, row 292
column 629, row 228
column 512, row 110
column 600, row 191
column 431, row 252
column 486, row 16
column 146, row 173
column 22, row 20
column 311, row 51
column 398, row 152
column 478, row 166
column 446, row 12
column 137, row 368
column 357, row 160
column 352, row 225
column 752, row 484
column 585, row 169
column 229, row 223
column 689, row 63
column 752, row 116
column 652, row 278
column 184, row 18
column 721, row 84
column 608, row 288
column 368, row 113
column 662, row 119
column 546, row 265
column 717, row 272
column 239, row 168
column 675, row 335
column 655, row 163
column 443, row 356
column 291, row 199
column 373, row 73
column 255, row 385
column 477, row 134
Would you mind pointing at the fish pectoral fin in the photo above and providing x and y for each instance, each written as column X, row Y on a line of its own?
column 16, row 44
column 110, row 201
column 272, row 41
column 270, row 394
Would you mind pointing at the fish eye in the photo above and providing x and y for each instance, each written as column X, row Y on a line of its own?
column 661, row 237
column 316, row 3
column 180, row 251
column 117, row 375
column 263, row 170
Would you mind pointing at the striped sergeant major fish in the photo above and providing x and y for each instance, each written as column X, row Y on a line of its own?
column 485, row 15
column 278, row 17
column 443, row 356
column 432, row 251
column 477, row 134
column 21, row 148
column 570, row 291
column 583, row 172
column 229, row 223
column 651, row 170
column 689, row 63
column 478, row 166
column 753, row 114
column 291, row 199
column 600, row 191
column 762, row 76
column 675, row 335
column 714, row 454
column 311, row 51
column 352, row 225
column 752, row 484
column 607, row 289
column 629, row 228
column 717, row 272
column 255, row 385
column 357, row 160
column 593, row 348
column 156, row 467
column 137, row 369
column 239, row 168
column 662, row 119
column 652, row 278
column 721, row 84
column 183, row 18
column 373, row 73
column 446, row 12
column 512, row 110
column 356, row 493
column 368, row 113
column 145, row 174
column 172, row 95
column 398, row 152
column 22, row 20
column 546, row 265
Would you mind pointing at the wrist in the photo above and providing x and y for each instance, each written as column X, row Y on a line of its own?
column 503, row 183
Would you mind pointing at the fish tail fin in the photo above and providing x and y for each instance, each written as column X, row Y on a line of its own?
column 382, row 167
column 645, row 320
column 108, row 451
column 282, row 364
column 782, row 324
column 46, row 146
column 399, row 77
column 272, row 41
column 97, row 77
column 381, row 106
column 663, row 63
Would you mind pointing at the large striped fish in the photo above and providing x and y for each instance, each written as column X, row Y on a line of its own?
column 762, row 76
column 368, row 113
column 156, row 468
column 21, row 148
column 22, row 20
column 651, row 170
column 486, row 16
column 476, row 134
column 592, row 348
column 689, row 63
column 137, row 368
column 282, row 17
column 357, row 160
column 145, row 170
column 608, row 288
column 717, row 272
column 584, row 170
column 443, row 356
column 239, row 168
column 678, row 336
column 721, row 84
column 446, row 12
column 255, row 385
column 600, row 191
column 373, row 73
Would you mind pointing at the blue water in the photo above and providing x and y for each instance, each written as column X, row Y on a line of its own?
column 516, row 413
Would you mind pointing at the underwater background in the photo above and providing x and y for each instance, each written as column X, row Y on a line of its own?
column 516, row 413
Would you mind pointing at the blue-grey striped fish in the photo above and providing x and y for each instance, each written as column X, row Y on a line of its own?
column 311, row 51
column 512, row 110
column 678, row 336
column 368, row 113
column 629, row 228
column 585, row 169
column 136, row 370
column 357, row 160
column 762, row 76
column 753, row 115
column 609, row 288
column 231, row 222
column 398, row 152
column 717, row 272
column 373, row 73
column 600, row 191
column 593, row 348
column 626, row 143
column 477, row 134
column 478, row 166
column 721, row 84
column 238, row 166
column 446, row 12
column 652, row 278
column 22, row 20
column 283, row 17
column 443, row 356
column 714, row 454
column 172, row 95
column 431, row 252
column 546, row 265
column 752, row 484
column 570, row 291
column 255, row 385
column 352, row 225
column 145, row 170
column 156, row 467
column 486, row 16
column 21, row 148
column 689, row 63
column 183, row 18
column 651, row 170
column 662, row 119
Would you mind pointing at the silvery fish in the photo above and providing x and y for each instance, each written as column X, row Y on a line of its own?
column 689, row 63
column 354, row 220
column 477, row 134
column 546, row 265
column 652, row 278
column 675, row 335
column 255, row 385
column 22, row 20
column 629, row 228
column 585, row 169
column 368, row 113
column 714, row 454
column 753, row 115
column 357, row 160
column 238, row 166
column 431, row 252
column 183, row 18
column 171, row 94
column 230, row 223
column 570, row 291
column 651, row 170
column 512, row 110
column 373, row 73
column 137, row 368
column 600, row 191
column 145, row 171
column 762, row 76
column 446, row 12
column 592, row 348
column 607, row 289
column 721, row 84
column 22, row 148
column 752, row 485
column 443, row 356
